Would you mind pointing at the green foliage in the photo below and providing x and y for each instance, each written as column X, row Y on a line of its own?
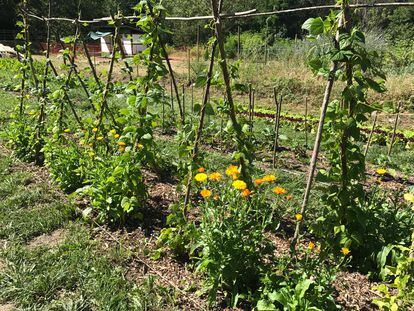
column 304, row 285
column 21, row 135
column 116, row 187
column 180, row 236
column 399, row 294
column 64, row 161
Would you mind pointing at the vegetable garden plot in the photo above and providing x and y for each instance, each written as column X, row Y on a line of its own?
column 220, row 224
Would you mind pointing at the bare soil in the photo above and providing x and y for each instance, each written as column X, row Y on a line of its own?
column 49, row 240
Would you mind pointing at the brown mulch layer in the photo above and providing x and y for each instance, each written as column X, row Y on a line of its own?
column 354, row 291
column 168, row 271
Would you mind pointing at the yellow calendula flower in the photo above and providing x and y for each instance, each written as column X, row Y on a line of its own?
column 201, row 170
column 66, row 130
column 94, row 129
column 205, row 193
column 121, row 143
column 140, row 146
column 298, row 217
column 232, row 170
column 269, row 178
column 113, row 131
column 99, row 138
column 279, row 190
column 345, row 251
column 201, row 177
column 409, row 197
column 381, row 171
column 216, row 176
column 245, row 193
column 311, row 245
column 116, row 136
column 239, row 184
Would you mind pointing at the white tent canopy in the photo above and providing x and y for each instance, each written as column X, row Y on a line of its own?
column 7, row 51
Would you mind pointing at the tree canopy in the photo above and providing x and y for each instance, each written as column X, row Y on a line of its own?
column 397, row 23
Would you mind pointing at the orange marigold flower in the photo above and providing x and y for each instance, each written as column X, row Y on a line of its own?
column 216, row 176
column 232, row 170
column 269, row 178
column 298, row 217
column 239, row 184
column 245, row 193
column 205, row 193
column 279, row 190
column 345, row 251
column 201, row 170
column 258, row 181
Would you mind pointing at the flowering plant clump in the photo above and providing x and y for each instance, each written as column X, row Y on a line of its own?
column 234, row 217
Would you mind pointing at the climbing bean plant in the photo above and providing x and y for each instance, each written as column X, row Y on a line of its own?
column 348, row 205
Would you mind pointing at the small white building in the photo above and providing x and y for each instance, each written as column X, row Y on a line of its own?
column 131, row 43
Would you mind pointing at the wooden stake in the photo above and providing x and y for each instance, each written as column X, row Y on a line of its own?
column 184, row 101
column 252, row 113
column 172, row 96
column 200, row 126
column 104, row 103
column 198, row 43
column 394, row 132
column 275, row 143
column 174, row 83
column 250, row 105
column 189, row 64
column 318, row 140
column 91, row 65
column 306, row 122
column 226, row 77
column 163, row 112
column 371, row 134
column 40, row 121
column 238, row 42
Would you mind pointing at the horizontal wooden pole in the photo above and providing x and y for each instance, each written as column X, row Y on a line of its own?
column 245, row 14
